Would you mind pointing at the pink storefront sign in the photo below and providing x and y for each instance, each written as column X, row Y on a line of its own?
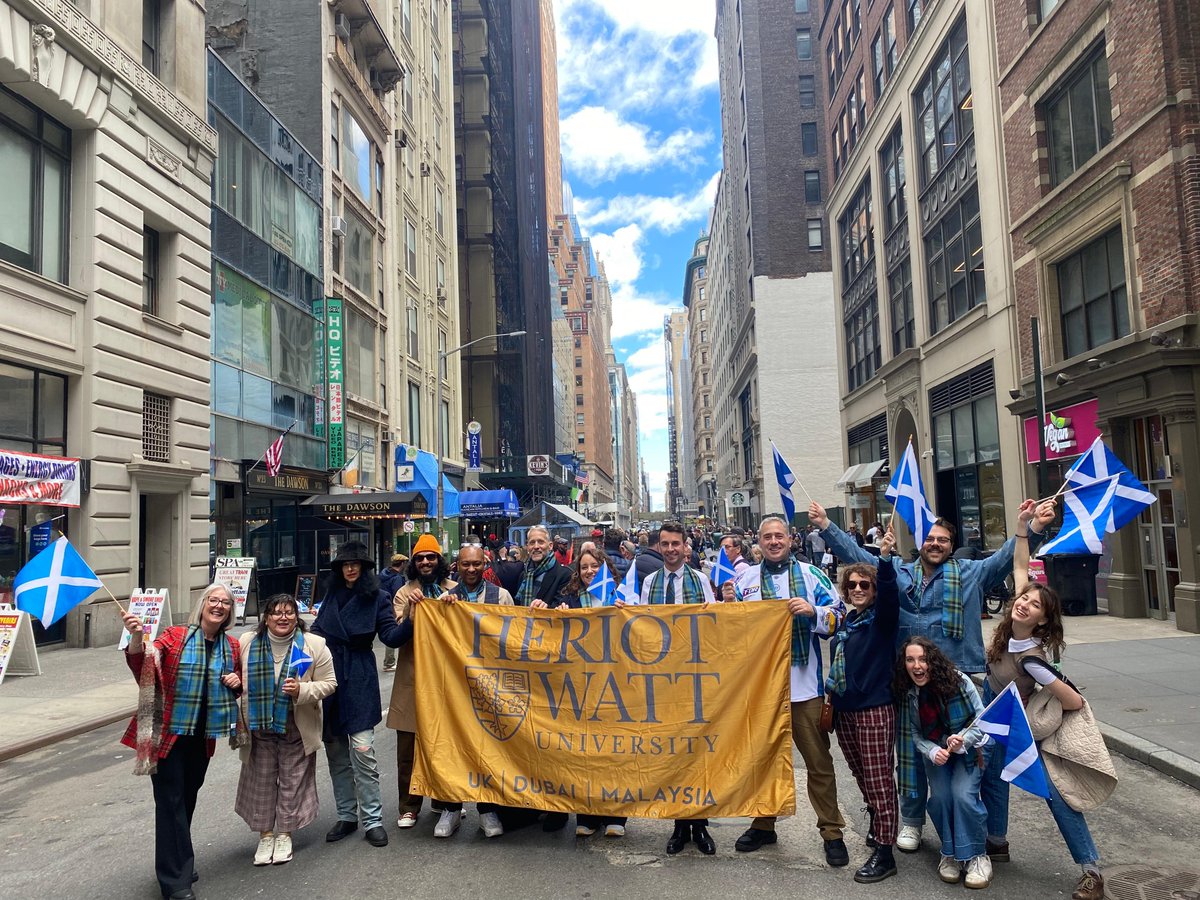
column 1066, row 432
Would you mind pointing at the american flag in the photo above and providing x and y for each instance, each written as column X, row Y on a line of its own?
column 274, row 455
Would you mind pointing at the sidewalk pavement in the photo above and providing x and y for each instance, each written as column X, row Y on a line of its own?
column 1141, row 676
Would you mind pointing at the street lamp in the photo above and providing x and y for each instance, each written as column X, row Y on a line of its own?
column 441, row 362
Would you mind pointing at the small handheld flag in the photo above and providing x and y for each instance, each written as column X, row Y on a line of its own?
column 300, row 661
column 783, row 475
column 603, row 588
column 1006, row 722
column 1086, row 513
column 54, row 582
column 1099, row 464
column 723, row 571
column 627, row 590
column 908, row 497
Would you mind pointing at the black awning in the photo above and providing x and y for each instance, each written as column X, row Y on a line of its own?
column 376, row 505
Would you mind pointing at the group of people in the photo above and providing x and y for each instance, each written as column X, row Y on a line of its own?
column 891, row 650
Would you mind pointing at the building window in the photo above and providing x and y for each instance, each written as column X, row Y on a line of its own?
column 442, row 347
column 808, row 138
column 410, row 248
column 578, row 381
column 151, row 19
column 808, row 92
column 802, row 6
column 150, row 281
column 413, row 328
column 579, row 399
column 439, row 211
column 891, row 161
column 812, row 186
column 358, row 156
column 944, row 103
column 156, row 427
column 414, row 413
column 579, row 362
column 914, row 16
column 440, row 277
column 359, row 247
column 857, row 234
column 407, row 82
column 579, row 420
column 360, row 356
column 863, row 353
column 1079, row 117
column 1045, row 7
column 877, row 64
column 904, row 329
column 803, row 43
column 33, row 415
column 954, row 251
column 435, row 66
column 1092, row 295
column 889, row 44
column 816, row 235
column 35, row 156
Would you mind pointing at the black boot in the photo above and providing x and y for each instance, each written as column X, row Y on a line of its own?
column 881, row 865
column 703, row 840
column 871, row 842
column 679, row 839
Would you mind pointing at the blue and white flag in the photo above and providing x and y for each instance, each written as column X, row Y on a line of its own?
column 723, row 571
column 783, row 474
column 908, row 497
column 300, row 661
column 627, row 590
column 54, row 582
column 1086, row 514
column 603, row 588
column 1005, row 721
column 1100, row 464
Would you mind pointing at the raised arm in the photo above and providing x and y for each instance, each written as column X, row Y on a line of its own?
column 840, row 544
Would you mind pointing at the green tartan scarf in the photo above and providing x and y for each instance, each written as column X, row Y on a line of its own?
column 693, row 590
column 952, row 598
column 268, row 704
column 191, row 682
column 801, row 626
column 957, row 713
column 527, row 593
column 836, row 682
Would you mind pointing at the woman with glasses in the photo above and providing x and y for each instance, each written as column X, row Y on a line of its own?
column 286, row 674
column 860, row 687
column 187, row 698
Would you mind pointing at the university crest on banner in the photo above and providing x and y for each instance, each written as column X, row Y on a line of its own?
column 500, row 698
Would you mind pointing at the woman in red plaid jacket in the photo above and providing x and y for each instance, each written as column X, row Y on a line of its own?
column 187, row 698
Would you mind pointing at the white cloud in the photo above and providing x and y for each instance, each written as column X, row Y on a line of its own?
column 619, row 251
column 667, row 214
column 638, row 313
column 664, row 18
column 647, row 357
column 598, row 144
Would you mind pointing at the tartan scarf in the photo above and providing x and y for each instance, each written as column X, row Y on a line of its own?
column 801, row 628
column 527, row 593
column 836, row 682
column 952, row 598
column 957, row 713
column 693, row 590
column 190, row 688
column 267, row 704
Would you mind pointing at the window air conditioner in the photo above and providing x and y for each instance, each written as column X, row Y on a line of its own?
column 339, row 226
column 401, row 138
column 341, row 25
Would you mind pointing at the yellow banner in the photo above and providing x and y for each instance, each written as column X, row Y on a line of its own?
column 655, row 712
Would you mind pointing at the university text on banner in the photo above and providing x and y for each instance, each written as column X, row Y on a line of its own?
column 659, row 712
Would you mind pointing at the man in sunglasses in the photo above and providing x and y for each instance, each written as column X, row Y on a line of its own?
column 941, row 598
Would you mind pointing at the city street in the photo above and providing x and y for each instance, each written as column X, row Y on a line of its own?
column 76, row 823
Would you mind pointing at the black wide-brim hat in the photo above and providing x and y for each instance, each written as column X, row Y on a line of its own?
column 354, row 551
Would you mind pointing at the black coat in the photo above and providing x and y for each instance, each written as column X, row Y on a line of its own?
column 648, row 562
column 553, row 583
column 349, row 632
column 509, row 572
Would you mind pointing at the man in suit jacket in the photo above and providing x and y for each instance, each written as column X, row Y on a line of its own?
column 544, row 576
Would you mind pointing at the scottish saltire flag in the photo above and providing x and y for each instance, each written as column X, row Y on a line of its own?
column 1005, row 721
column 908, row 497
column 1087, row 512
column 300, row 662
column 723, row 571
column 54, row 582
column 603, row 588
column 783, row 474
column 1100, row 464
column 627, row 590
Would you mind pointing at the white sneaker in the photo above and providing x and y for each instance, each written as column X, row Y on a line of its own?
column 407, row 820
column 979, row 872
column 448, row 823
column 614, row 830
column 950, row 870
column 909, row 838
column 266, row 846
column 584, row 831
column 490, row 825
column 283, row 849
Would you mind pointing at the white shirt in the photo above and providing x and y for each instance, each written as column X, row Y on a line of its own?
column 648, row 584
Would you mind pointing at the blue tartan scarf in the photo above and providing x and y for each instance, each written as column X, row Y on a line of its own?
column 527, row 592
column 267, row 704
column 193, row 683
column 836, row 682
column 952, row 597
column 957, row 713
column 801, row 625
column 693, row 590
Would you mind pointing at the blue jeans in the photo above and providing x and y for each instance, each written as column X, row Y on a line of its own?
column 1071, row 823
column 355, row 774
column 955, row 807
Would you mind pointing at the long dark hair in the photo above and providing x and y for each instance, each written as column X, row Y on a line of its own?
column 1050, row 634
column 943, row 676
column 271, row 604
column 367, row 584
column 575, row 586
column 440, row 574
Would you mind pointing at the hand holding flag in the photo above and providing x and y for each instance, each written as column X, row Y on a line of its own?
column 602, row 587
column 299, row 662
column 1004, row 720
column 908, row 496
column 723, row 571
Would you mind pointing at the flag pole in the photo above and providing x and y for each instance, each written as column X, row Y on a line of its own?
column 794, row 475
column 1065, row 490
column 123, row 610
column 286, row 432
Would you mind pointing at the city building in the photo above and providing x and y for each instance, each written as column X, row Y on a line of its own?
column 776, row 298
column 679, row 414
column 703, row 474
column 1100, row 200
column 922, row 268
column 627, row 502
column 104, row 308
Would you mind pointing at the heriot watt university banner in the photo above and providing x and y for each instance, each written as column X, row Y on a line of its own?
column 657, row 712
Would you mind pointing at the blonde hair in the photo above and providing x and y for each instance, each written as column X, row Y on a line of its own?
column 194, row 618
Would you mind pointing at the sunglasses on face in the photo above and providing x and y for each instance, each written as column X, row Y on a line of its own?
column 425, row 557
column 855, row 584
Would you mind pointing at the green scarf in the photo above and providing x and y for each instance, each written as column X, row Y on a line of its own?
column 801, row 627
column 693, row 590
column 527, row 593
column 267, row 703
column 958, row 712
column 199, row 678
column 836, row 682
column 952, row 597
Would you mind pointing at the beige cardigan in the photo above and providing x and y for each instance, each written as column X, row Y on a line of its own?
column 315, row 685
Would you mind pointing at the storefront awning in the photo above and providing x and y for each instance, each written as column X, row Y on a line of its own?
column 859, row 476
column 489, row 504
column 425, row 482
column 377, row 505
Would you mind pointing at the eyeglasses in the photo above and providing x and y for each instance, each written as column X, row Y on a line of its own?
column 855, row 584
column 941, row 541
column 213, row 601
column 283, row 613
column 425, row 557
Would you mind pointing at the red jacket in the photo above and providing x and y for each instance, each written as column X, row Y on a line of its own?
column 170, row 649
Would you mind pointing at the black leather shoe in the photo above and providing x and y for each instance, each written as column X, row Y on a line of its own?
column 555, row 821
column 753, row 838
column 871, row 842
column 195, row 876
column 341, row 830
column 998, row 851
column 184, row 894
column 376, row 836
column 881, row 865
column 703, row 840
column 679, row 839
column 836, row 853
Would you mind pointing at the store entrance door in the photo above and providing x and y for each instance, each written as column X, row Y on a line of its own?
column 1160, row 552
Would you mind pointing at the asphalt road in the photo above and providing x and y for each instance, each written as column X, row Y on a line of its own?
column 76, row 823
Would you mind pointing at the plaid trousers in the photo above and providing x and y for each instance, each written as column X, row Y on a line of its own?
column 868, row 741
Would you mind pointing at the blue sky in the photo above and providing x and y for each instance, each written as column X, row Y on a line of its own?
column 639, row 115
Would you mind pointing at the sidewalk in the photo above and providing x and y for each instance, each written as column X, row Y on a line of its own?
column 1141, row 676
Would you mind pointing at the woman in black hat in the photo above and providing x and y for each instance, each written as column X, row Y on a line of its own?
column 354, row 611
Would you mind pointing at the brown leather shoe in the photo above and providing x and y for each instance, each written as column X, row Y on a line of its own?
column 1090, row 887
